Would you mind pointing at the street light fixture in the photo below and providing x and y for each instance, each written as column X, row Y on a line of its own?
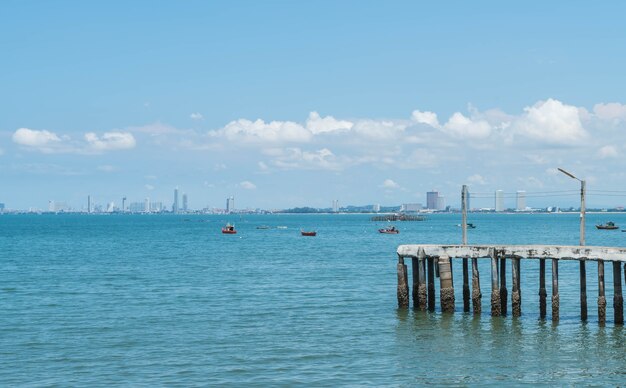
column 583, row 271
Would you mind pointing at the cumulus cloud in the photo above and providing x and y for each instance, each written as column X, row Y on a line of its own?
column 551, row 122
column 610, row 111
column 390, row 184
column 296, row 158
column 317, row 124
column 106, row 168
column 428, row 118
column 476, row 179
column 247, row 185
column 39, row 139
column 196, row 116
column 110, row 141
column 149, row 187
column 463, row 127
column 247, row 131
column 608, row 152
column 379, row 129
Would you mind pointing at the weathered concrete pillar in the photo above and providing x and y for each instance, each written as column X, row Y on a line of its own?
column 503, row 291
column 415, row 277
column 542, row 288
column 583, row 290
column 446, row 285
column 422, row 295
column 476, row 294
column 466, row 289
column 601, row 298
column 516, row 300
column 618, row 299
column 431, row 284
column 495, row 291
column 403, row 284
column 555, row 290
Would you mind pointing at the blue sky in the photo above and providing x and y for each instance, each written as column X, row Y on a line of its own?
column 298, row 103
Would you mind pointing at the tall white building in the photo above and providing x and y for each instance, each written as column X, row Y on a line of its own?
column 335, row 205
column 230, row 204
column 431, row 200
column 185, row 207
column 520, row 200
column 376, row 207
column 499, row 201
column 146, row 205
column 175, row 205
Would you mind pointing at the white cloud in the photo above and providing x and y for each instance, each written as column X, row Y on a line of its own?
column 247, row 185
column 106, row 168
column 476, row 179
column 157, row 128
column 247, row 131
column 40, row 139
column 608, row 152
column 466, row 128
column 428, row 118
column 390, row 184
column 262, row 166
column 149, row 187
column 196, row 116
column 296, row 158
column 379, row 129
column 317, row 124
column 110, row 141
column 552, row 122
column 610, row 111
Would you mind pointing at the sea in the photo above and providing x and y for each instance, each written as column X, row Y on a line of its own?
column 168, row 300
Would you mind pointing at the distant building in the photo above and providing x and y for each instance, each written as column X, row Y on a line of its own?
column 146, row 205
column 110, row 207
column 521, row 200
column 175, row 205
column 185, row 208
column 1, row 207
column 335, row 205
column 89, row 204
column 55, row 206
column 230, row 204
column 499, row 200
column 431, row 200
column 411, row 207
column 376, row 207
column 441, row 202
column 156, row 207
column 137, row 207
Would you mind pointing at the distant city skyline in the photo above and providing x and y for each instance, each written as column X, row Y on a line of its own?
column 311, row 102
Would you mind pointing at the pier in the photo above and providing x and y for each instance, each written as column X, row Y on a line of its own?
column 443, row 256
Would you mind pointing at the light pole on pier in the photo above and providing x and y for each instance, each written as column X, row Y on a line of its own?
column 583, row 272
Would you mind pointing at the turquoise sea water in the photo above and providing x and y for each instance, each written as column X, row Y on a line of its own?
column 168, row 300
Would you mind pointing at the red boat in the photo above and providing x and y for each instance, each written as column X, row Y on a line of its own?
column 389, row 230
column 229, row 229
column 312, row 233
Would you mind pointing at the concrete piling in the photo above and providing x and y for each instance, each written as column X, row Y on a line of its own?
column 503, row 291
column 422, row 294
column 516, row 300
column 583, row 291
column 403, row 284
column 601, row 297
column 618, row 299
column 431, row 284
column 466, row 289
column 542, row 288
column 415, row 275
column 476, row 294
column 555, row 290
column 446, row 290
column 495, row 290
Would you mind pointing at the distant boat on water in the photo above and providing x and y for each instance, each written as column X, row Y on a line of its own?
column 469, row 225
column 229, row 229
column 281, row 227
column 389, row 230
column 308, row 233
column 608, row 226
column 263, row 227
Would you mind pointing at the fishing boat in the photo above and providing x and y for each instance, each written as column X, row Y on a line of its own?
column 469, row 225
column 229, row 229
column 309, row 233
column 608, row 226
column 389, row 230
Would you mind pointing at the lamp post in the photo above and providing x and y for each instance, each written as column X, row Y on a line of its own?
column 583, row 272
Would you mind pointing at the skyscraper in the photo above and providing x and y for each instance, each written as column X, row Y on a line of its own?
column 335, row 205
column 175, row 205
column 521, row 200
column 185, row 208
column 146, row 205
column 230, row 204
column 441, row 202
column 431, row 200
column 89, row 204
column 499, row 200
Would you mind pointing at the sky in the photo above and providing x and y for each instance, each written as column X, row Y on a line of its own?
column 285, row 103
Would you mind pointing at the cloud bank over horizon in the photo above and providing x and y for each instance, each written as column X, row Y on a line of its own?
column 415, row 153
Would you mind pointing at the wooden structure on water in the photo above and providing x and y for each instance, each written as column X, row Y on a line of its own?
column 399, row 217
column 424, row 258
